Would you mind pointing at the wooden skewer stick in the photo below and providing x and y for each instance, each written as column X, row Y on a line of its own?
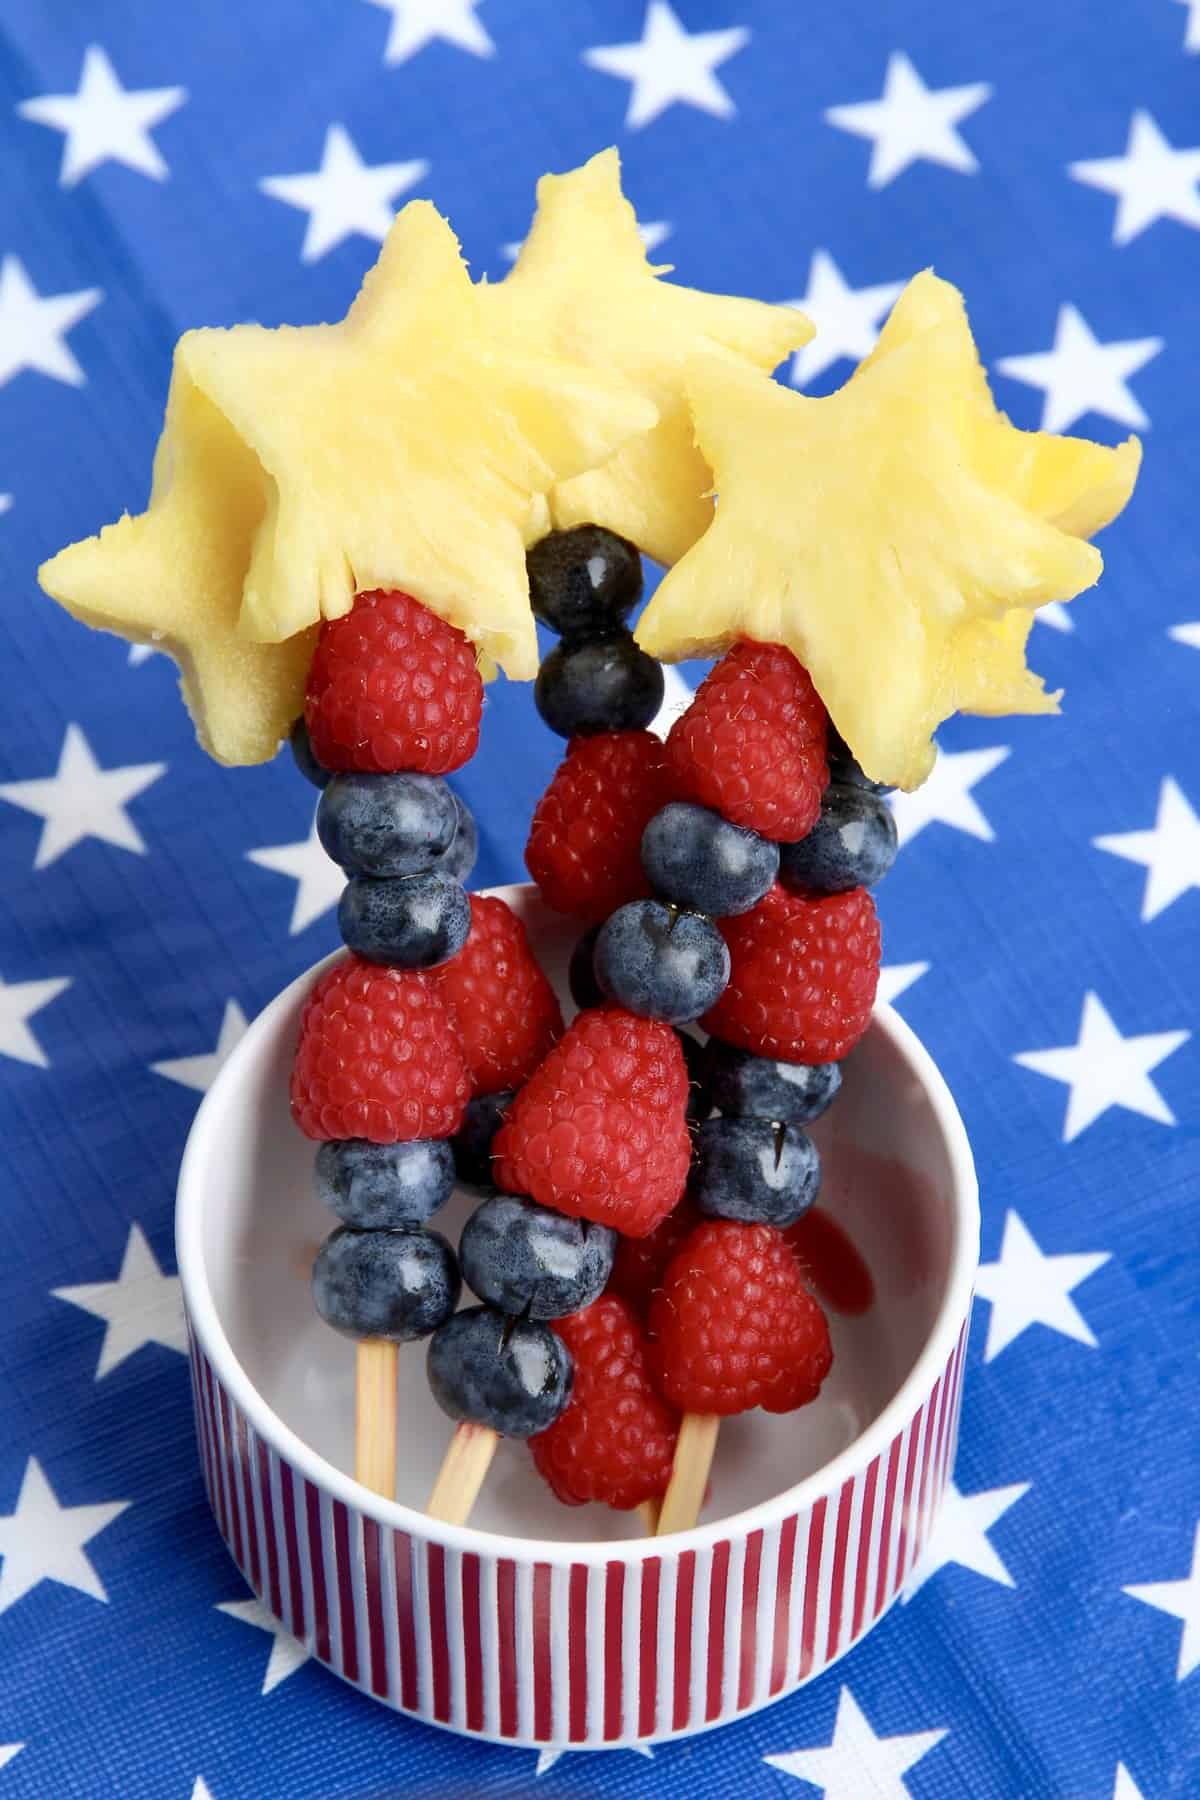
column 375, row 1416
column 461, row 1475
column 689, row 1476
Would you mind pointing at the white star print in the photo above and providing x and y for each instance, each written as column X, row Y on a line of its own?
column 670, row 65
column 1104, row 1069
column 1026, row 1287
column 1126, row 1787
column 652, row 233
column 83, row 800
column 1056, row 615
column 1186, row 634
column 912, row 123
column 33, row 326
column 961, row 1535
column 140, row 653
column 1170, row 852
column 1191, row 33
column 8, row 1751
column 858, row 1765
column 43, row 1540
column 200, row 1072
column 5, row 502
column 287, row 1653
column 416, row 23
column 201, row 1790
column 1181, row 1599
column 142, row 1306
column 945, row 797
column 105, row 122
column 547, row 1758
column 345, row 194
column 1152, row 180
column 319, row 882
column 847, row 319
column 19, row 1000
column 1081, row 375
column 896, row 979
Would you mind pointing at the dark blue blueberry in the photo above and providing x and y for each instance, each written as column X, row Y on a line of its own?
column 844, row 768
column 387, row 825
column 463, row 853
column 852, row 844
column 302, row 753
column 605, row 685
column 661, row 963
column 377, row 1187
column 696, row 858
column 584, row 582
column 525, row 1259
column 699, row 1099
column 387, row 1284
column 472, row 1142
column 411, row 924
column 756, row 1087
column 581, row 976
column 514, row 1375
column 752, row 1170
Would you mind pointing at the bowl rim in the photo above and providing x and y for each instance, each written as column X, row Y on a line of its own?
column 396, row 1515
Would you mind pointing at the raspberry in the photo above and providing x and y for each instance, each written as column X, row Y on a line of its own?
column 641, row 1263
column 378, row 1058
column 393, row 687
column 803, row 976
column 752, row 743
column 585, row 842
column 733, row 1325
column 505, row 1010
column 599, row 1129
column 615, row 1439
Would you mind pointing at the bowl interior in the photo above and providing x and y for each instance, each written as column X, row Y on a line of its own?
column 893, row 1184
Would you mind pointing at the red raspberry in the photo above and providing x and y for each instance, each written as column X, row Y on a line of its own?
column 641, row 1263
column 391, row 687
column 804, row 968
column 599, row 1129
column 505, row 1010
column 752, row 743
column 615, row 1439
column 378, row 1058
column 733, row 1325
column 585, row 842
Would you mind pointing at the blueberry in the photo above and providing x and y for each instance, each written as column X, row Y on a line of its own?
column 302, row 753
column 843, row 766
column 388, row 1284
column 387, row 825
column 756, row 1087
column 512, row 1374
column 411, row 924
column 752, row 1170
column 581, row 976
column 699, row 1099
column 584, row 582
column 661, row 963
column 463, row 853
column 525, row 1259
column 698, row 859
column 472, row 1143
column 852, row 844
column 380, row 1186
column 605, row 685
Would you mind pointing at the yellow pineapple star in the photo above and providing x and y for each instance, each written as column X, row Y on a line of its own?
column 896, row 536
column 583, row 285
column 173, row 576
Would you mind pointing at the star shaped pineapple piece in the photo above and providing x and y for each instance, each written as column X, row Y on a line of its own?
column 583, row 285
column 173, row 577
column 403, row 448
column 897, row 536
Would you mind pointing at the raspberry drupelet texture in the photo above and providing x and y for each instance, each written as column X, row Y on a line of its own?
column 641, row 1263
column 804, row 969
column 733, row 1325
column 599, row 1130
column 393, row 687
column 585, row 842
column 378, row 1058
column 615, row 1439
column 752, row 744
column 504, row 1008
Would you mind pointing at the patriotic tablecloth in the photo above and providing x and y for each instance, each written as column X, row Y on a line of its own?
column 162, row 167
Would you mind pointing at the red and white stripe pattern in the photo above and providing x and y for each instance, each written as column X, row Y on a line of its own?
column 573, row 1653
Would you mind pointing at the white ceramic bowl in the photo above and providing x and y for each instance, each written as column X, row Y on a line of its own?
column 539, row 1623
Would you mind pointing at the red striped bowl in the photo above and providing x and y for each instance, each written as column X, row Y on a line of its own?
column 541, row 1624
